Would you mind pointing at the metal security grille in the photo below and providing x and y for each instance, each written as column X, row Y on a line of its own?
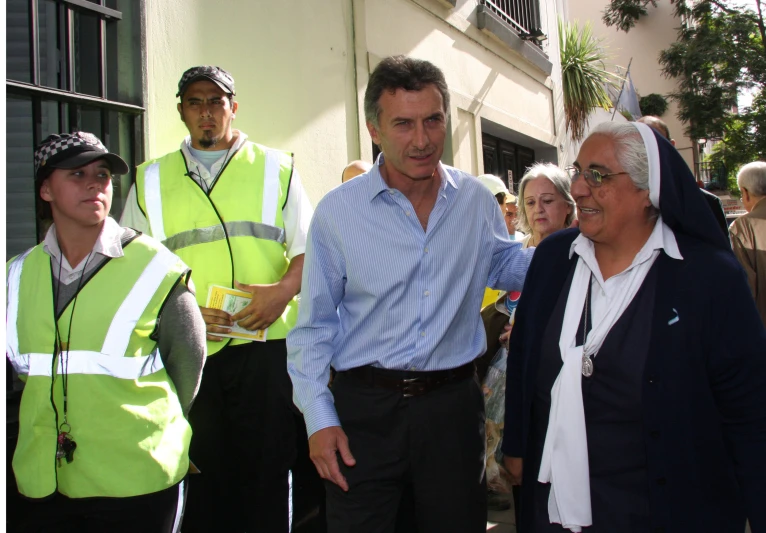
column 522, row 15
column 71, row 65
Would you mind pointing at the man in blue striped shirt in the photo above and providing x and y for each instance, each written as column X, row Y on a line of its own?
column 396, row 264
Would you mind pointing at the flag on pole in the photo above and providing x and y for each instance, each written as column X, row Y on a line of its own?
column 629, row 99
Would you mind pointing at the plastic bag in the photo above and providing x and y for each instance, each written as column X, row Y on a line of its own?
column 498, row 479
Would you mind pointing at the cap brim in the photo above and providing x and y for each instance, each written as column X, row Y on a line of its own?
column 206, row 78
column 116, row 164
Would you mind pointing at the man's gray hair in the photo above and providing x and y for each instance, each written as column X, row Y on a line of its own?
column 560, row 180
column 753, row 178
column 630, row 150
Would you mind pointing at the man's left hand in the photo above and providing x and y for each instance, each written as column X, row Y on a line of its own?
column 268, row 304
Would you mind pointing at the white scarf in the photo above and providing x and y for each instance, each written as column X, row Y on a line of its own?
column 565, row 453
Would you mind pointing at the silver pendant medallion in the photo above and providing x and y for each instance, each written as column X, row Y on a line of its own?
column 587, row 366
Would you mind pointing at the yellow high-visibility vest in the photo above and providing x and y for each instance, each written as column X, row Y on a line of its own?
column 235, row 232
column 124, row 413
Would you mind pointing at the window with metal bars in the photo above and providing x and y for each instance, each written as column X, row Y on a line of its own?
column 70, row 65
column 523, row 16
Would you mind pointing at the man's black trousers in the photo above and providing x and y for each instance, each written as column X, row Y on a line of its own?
column 245, row 443
column 434, row 442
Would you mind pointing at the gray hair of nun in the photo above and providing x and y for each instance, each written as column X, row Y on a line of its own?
column 630, row 150
column 560, row 180
column 753, row 178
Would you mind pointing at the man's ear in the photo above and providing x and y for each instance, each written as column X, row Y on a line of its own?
column 745, row 194
column 180, row 111
column 373, row 133
column 673, row 142
column 234, row 107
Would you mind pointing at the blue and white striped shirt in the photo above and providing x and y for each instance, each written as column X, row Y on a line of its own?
column 379, row 290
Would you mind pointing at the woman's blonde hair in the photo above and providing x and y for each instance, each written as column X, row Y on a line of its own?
column 560, row 180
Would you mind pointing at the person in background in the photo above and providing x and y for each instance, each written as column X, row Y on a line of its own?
column 102, row 325
column 512, row 217
column 547, row 205
column 713, row 201
column 237, row 213
column 498, row 189
column 354, row 169
column 748, row 232
column 652, row 376
column 391, row 295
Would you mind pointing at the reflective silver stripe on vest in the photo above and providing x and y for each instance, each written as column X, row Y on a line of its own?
column 111, row 361
column 134, row 305
column 266, row 229
column 19, row 361
column 270, row 188
column 153, row 199
column 241, row 228
column 97, row 364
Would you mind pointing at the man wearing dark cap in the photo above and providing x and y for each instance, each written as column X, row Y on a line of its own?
column 236, row 213
column 102, row 326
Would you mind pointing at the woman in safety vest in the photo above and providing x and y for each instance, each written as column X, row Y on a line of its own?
column 105, row 332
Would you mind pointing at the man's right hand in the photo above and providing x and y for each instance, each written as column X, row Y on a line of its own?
column 514, row 465
column 322, row 447
column 215, row 319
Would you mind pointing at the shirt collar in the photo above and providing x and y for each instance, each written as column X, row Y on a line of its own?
column 661, row 238
column 760, row 204
column 240, row 139
column 108, row 244
column 378, row 185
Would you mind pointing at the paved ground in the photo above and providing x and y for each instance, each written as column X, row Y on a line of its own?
column 501, row 521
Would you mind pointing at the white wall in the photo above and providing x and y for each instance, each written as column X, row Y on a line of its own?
column 301, row 69
column 644, row 42
column 292, row 62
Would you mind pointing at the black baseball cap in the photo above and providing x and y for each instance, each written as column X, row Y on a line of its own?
column 206, row 72
column 74, row 150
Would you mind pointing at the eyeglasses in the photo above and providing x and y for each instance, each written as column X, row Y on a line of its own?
column 592, row 177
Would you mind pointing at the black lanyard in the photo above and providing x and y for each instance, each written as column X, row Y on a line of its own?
column 65, row 443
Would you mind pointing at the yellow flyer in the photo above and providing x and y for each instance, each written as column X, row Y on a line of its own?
column 233, row 301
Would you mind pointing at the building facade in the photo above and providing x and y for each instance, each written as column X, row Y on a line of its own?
column 640, row 48
column 301, row 67
column 112, row 67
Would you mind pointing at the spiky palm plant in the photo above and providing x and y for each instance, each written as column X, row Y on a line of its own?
column 584, row 76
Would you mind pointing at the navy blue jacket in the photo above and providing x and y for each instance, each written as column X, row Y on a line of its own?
column 704, row 391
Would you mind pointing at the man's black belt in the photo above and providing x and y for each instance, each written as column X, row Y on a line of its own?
column 409, row 382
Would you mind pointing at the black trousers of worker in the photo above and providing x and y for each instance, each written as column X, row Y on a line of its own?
column 246, row 432
column 157, row 512
column 433, row 442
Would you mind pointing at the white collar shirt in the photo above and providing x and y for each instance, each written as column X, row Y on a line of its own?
column 199, row 172
column 603, row 291
column 108, row 245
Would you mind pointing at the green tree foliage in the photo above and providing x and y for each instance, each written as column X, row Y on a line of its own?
column 720, row 50
column 653, row 104
column 584, row 76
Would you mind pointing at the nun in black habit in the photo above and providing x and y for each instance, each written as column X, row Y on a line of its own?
column 636, row 393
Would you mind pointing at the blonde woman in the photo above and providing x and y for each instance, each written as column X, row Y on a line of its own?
column 546, row 203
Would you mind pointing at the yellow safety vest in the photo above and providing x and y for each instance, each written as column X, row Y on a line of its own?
column 235, row 232
column 125, row 416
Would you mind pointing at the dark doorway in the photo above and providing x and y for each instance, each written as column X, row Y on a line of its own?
column 506, row 160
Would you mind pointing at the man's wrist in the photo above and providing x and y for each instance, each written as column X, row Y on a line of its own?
column 320, row 415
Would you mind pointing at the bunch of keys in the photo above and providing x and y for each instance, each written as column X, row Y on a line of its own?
column 66, row 446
